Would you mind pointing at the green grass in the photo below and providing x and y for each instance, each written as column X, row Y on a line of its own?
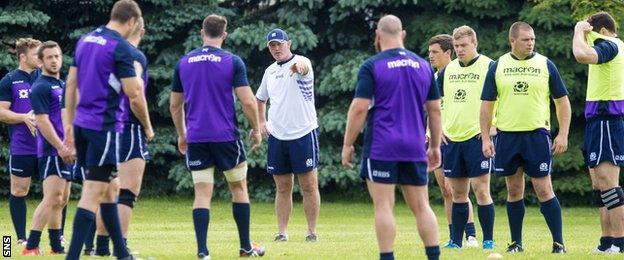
column 163, row 229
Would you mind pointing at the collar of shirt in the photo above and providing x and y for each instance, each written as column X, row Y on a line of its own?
column 470, row 62
column 286, row 61
column 110, row 31
column 527, row 57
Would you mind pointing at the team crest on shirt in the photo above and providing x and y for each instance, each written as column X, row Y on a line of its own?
column 544, row 167
column 309, row 162
column 521, row 88
column 23, row 93
column 485, row 165
column 592, row 156
column 460, row 95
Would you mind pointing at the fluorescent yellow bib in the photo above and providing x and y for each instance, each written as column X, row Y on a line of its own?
column 523, row 93
column 606, row 81
column 462, row 98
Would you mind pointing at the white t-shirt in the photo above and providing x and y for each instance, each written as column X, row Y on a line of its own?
column 291, row 111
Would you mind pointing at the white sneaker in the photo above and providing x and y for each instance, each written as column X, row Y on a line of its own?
column 472, row 242
column 612, row 250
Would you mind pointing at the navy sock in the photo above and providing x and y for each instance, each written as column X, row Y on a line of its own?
column 33, row 239
column 619, row 242
column 17, row 207
column 64, row 215
column 450, row 231
column 241, row 214
column 605, row 243
column 82, row 223
column 470, row 230
column 433, row 252
column 101, row 245
column 459, row 214
column 90, row 236
column 201, row 219
column 486, row 219
column 515, row 214
column 552, row 213
column 55, row 240
column 110, row 217
column 386, row 256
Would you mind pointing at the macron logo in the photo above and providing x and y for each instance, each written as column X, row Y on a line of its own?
column 204, row 57
column 95, row 39
column 403, row 63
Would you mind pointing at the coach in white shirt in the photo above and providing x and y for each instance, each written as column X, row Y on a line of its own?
column 292, row 131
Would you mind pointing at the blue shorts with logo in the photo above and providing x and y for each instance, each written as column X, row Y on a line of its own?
column 293, row 156
column 53, row 165
column 96, row 148
column 395, row 172
column 23, row 165
column 133, row 144
column 225, row 155
column 465, row 159
column 604, row 141
column 530, row 150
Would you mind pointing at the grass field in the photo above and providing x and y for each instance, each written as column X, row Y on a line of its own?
column 163, row 229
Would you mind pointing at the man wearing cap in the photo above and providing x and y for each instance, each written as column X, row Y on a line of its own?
column 292, row 131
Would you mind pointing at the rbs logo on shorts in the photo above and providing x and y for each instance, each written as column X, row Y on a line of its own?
column 381, row 174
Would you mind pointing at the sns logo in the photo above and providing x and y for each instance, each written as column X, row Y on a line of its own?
column 544, row 167
column 6, row 246
column 485, row 165
column 23, row 93
column 309, row 162
column 592, row 156
column 460, row 95
column 521, row 87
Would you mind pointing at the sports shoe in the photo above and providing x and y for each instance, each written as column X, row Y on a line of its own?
column 452, row 245
column 472, row 242
column 32, row 252
column 88, row 252
column 514, row 248
column 63, row 241
column 613, row 250
column 488, row 245
column 22, row 242
column 311, row 237
column 255, row 251
column 62, row 252
column 203, row 256
column 447, row 243
column 279, row 237
column 558, row 248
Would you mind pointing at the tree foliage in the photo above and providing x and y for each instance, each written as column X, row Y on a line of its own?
column 337, row 36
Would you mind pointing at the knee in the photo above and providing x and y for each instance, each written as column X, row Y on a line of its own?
column 19, row 190
column 483, row 195
column 284, row 188
column 446, row 193
column 515, row 192
column 56, row 200
column 309, row 188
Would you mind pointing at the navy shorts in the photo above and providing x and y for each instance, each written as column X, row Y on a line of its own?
column 225, row 155
column 293, row 156
column 465, row 159
column 530, row 150
column 23, row 165
column 53, row 165
column 393, row 172
column 96, row 148
column 78, row 173
column 133, row 144
column 604, row 142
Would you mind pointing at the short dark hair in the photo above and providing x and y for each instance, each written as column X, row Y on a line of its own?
column 516, row 27
column 602, row 20
column 124, row 10
column 23, row 45
column 444, row 40
column 46, row 45
column 214, row 25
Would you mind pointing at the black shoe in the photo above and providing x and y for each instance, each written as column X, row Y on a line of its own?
column 558, row 248
column 514, row 248
column 89, row 252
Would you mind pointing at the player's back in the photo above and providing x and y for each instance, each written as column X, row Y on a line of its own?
column 98, row 59
column 396, row 123
column 207, row 78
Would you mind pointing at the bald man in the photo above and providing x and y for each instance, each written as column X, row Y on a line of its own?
column 402, row 84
